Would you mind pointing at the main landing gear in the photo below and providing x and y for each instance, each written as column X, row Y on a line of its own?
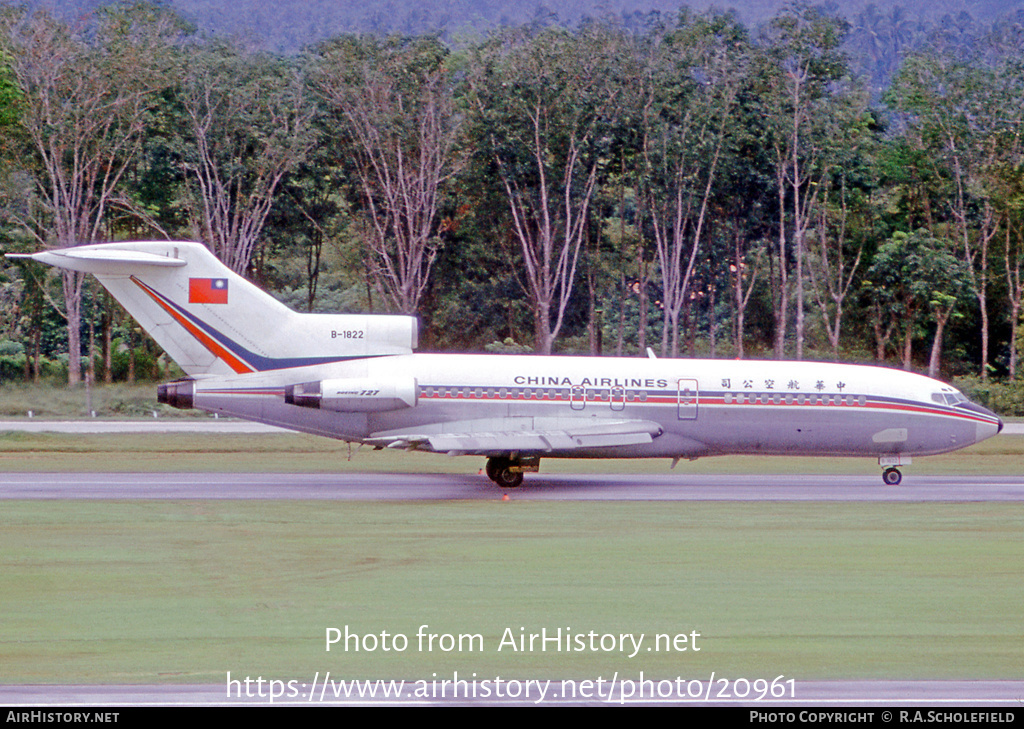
column 508, row 472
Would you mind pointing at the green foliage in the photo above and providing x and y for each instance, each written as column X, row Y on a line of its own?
column 1003, row 396
column 8, row 348
column 245, row 122
column 918, row 272
column 579, row 144
column 391, row 102
column 11, row 98
column 508, row 346
column 12, row 368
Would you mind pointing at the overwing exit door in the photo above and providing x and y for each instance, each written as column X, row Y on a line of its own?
column 688, row 398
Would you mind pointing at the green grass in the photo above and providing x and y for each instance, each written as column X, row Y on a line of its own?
column 150, row 591
column 179, row 591
column 119, row 400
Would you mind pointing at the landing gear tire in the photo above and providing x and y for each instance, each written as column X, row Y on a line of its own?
column 500, row 471
column 492, row 468
column 508, row 480
column 892, row 476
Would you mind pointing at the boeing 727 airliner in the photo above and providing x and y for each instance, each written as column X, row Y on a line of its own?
column 356, row 378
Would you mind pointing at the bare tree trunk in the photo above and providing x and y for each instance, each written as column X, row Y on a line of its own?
column 641, row 340
column 547, row 156
column 743, row 280
column 106, row 339
column 834, row 281
column 73, row 313
column 85, row 93
column 248, row 125
column 781, row 298
column 551, row 236
column 1015, row 291
column 402, row 137
column 908, row 340
column 936, row 354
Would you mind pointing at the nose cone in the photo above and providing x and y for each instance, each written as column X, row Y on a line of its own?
column 987, row 430
column 988, row 426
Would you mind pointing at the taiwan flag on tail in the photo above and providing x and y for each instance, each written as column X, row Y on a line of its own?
column 207, row 291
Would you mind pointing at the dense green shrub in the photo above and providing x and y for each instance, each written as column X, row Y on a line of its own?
column 1005, row 397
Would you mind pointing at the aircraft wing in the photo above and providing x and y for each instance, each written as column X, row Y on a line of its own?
column 531, row 435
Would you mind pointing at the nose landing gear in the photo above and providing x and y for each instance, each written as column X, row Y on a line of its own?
column 892, row 476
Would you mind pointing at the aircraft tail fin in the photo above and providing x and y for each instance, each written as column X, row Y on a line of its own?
column 212, row 321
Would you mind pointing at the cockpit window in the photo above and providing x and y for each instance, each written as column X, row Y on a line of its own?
column 948, row 398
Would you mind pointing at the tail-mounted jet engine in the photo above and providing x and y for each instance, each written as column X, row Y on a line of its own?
column 178, row 394
column 354, row 395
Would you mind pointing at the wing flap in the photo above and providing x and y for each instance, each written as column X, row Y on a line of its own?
column 489, row 442
column 518, row 437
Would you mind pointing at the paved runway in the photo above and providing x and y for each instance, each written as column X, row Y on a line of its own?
column 539, row 487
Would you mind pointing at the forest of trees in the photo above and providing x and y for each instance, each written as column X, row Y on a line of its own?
column 815, row 187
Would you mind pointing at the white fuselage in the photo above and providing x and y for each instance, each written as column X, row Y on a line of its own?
column 703, row 407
